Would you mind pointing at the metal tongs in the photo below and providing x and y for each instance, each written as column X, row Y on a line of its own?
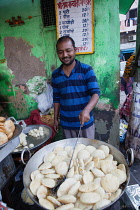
column 60, row 181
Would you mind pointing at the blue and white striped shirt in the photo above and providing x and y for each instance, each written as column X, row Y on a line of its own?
column 73, row 93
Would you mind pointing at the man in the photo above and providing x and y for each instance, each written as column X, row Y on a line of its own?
column 75, row 92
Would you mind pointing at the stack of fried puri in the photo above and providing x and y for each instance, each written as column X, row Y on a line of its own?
column 7, row 128
column 93, row 181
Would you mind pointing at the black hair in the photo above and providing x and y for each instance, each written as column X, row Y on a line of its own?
column 65, row 38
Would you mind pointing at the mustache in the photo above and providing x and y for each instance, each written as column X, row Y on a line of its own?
column 65, row 57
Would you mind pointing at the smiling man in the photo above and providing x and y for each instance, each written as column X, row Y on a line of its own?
column 75, row 92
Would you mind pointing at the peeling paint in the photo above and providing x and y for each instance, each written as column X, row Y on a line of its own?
column 114, row 131
column 20, row 60
column 29, row 51
column 2, row 60
column 101, row 124
column 107, row 126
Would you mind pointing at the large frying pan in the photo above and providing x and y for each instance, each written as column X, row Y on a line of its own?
column 37, row 159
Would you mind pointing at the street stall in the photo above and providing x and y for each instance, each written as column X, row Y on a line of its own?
column 29, row 30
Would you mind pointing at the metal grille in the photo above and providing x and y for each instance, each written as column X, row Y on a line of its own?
column 48, row 12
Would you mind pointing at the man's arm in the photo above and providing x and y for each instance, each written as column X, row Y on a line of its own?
column 56, row 115
column 94, row 92
column 85, row 114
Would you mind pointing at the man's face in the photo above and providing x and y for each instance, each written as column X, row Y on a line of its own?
column 66, row 52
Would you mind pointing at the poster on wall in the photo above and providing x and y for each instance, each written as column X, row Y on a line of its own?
column 75, row 19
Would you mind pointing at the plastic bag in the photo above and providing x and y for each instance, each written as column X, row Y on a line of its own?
column 45, row 100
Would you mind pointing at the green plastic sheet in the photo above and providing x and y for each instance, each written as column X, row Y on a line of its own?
column 124, row 6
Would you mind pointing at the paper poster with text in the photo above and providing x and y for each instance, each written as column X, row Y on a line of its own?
column 76, row 19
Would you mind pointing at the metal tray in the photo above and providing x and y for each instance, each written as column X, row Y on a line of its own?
column 37, row 141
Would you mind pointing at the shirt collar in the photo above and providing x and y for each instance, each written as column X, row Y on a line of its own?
column 73, row 70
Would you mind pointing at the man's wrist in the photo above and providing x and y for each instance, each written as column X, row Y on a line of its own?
column 87, row 110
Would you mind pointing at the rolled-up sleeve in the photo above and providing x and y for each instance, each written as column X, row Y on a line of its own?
column 92, row 84
column 56, row 92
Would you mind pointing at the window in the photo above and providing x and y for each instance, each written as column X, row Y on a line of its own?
column 48, row 12
column 133, row 13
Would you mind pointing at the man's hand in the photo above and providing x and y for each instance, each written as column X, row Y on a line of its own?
column 56, row 114
column 55, row 125
column 84, row 117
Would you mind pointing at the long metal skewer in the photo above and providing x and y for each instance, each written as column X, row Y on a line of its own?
column 54, row 189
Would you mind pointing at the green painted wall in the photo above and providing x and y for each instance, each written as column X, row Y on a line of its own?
column 105, row 60
column 31, row 33
column 38, row 46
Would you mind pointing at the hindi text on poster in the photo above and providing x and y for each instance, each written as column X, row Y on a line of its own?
column 75, row 19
